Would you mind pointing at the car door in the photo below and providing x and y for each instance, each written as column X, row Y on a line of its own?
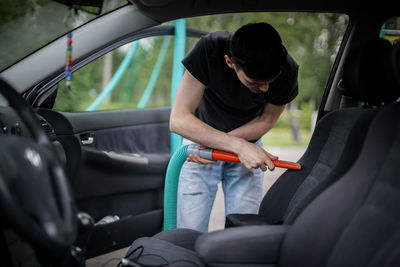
column 116, row 149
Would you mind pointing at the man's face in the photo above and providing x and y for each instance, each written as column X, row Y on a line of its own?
column 255, row 86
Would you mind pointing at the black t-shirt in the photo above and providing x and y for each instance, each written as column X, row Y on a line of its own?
column 227, row 104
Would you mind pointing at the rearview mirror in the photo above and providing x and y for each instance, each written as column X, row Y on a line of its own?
column 90, row 6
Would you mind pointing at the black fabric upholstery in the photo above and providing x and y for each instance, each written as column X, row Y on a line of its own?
column 150, row 252
column 242, row 246
column 175, row 247
column 186, row 237
column 349, row 153
column 274, row 204
column 356, row 221
column 238, row 219
column 347, row 127
column 295, row 189
column 368, row 71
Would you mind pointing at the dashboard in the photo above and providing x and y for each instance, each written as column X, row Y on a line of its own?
column 57, row 128
column 11, row 124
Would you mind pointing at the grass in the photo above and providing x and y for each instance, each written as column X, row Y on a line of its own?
column 284, row 137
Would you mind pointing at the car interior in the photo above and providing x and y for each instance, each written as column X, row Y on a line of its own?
column 76, row 184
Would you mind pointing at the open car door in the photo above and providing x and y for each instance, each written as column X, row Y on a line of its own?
column 116, row 152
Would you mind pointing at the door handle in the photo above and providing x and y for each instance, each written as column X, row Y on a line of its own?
column 87, row 138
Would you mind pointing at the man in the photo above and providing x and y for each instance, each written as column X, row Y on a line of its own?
column 233, row 91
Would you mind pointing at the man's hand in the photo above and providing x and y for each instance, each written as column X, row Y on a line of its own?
column 197, row 159
column 253, row 156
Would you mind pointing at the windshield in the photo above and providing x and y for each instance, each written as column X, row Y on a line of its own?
column 25, row 26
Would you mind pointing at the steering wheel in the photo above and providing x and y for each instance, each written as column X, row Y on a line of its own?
column 35, row 196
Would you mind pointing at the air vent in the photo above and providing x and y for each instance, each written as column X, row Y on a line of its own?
column 48, row 129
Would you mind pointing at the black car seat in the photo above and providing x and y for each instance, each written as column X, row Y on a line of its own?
column 335, row 143
column 358, row 217
column 353, row 222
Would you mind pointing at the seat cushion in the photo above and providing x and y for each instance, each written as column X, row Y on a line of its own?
column 236, row 219
column 185, row 238
column 169, row 248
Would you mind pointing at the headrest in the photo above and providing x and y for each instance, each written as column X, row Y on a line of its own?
column 369, row 75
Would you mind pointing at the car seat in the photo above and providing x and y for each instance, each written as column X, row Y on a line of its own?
column 336, row 140
column 353, row 222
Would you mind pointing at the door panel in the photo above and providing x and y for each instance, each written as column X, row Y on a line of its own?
column 121, row 172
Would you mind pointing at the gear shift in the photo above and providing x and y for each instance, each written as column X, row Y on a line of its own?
column 85, row 229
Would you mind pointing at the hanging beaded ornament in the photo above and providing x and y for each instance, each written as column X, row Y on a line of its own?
column 68, row 67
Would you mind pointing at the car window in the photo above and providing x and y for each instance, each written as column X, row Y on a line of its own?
column 25, row 26
column 312, row 39
column 135, row 75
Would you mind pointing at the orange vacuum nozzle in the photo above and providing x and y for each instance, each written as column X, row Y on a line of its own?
column 227, row 156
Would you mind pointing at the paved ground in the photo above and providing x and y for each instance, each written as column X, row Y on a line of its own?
column 217, row 219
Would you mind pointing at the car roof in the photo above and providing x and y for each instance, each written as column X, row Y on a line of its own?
column 156, row 9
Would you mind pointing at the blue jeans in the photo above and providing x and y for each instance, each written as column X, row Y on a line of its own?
column 198, row 184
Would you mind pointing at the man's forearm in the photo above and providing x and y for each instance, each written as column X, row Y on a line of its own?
column 260, row 125
column 197, row 131
column 253, row 130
